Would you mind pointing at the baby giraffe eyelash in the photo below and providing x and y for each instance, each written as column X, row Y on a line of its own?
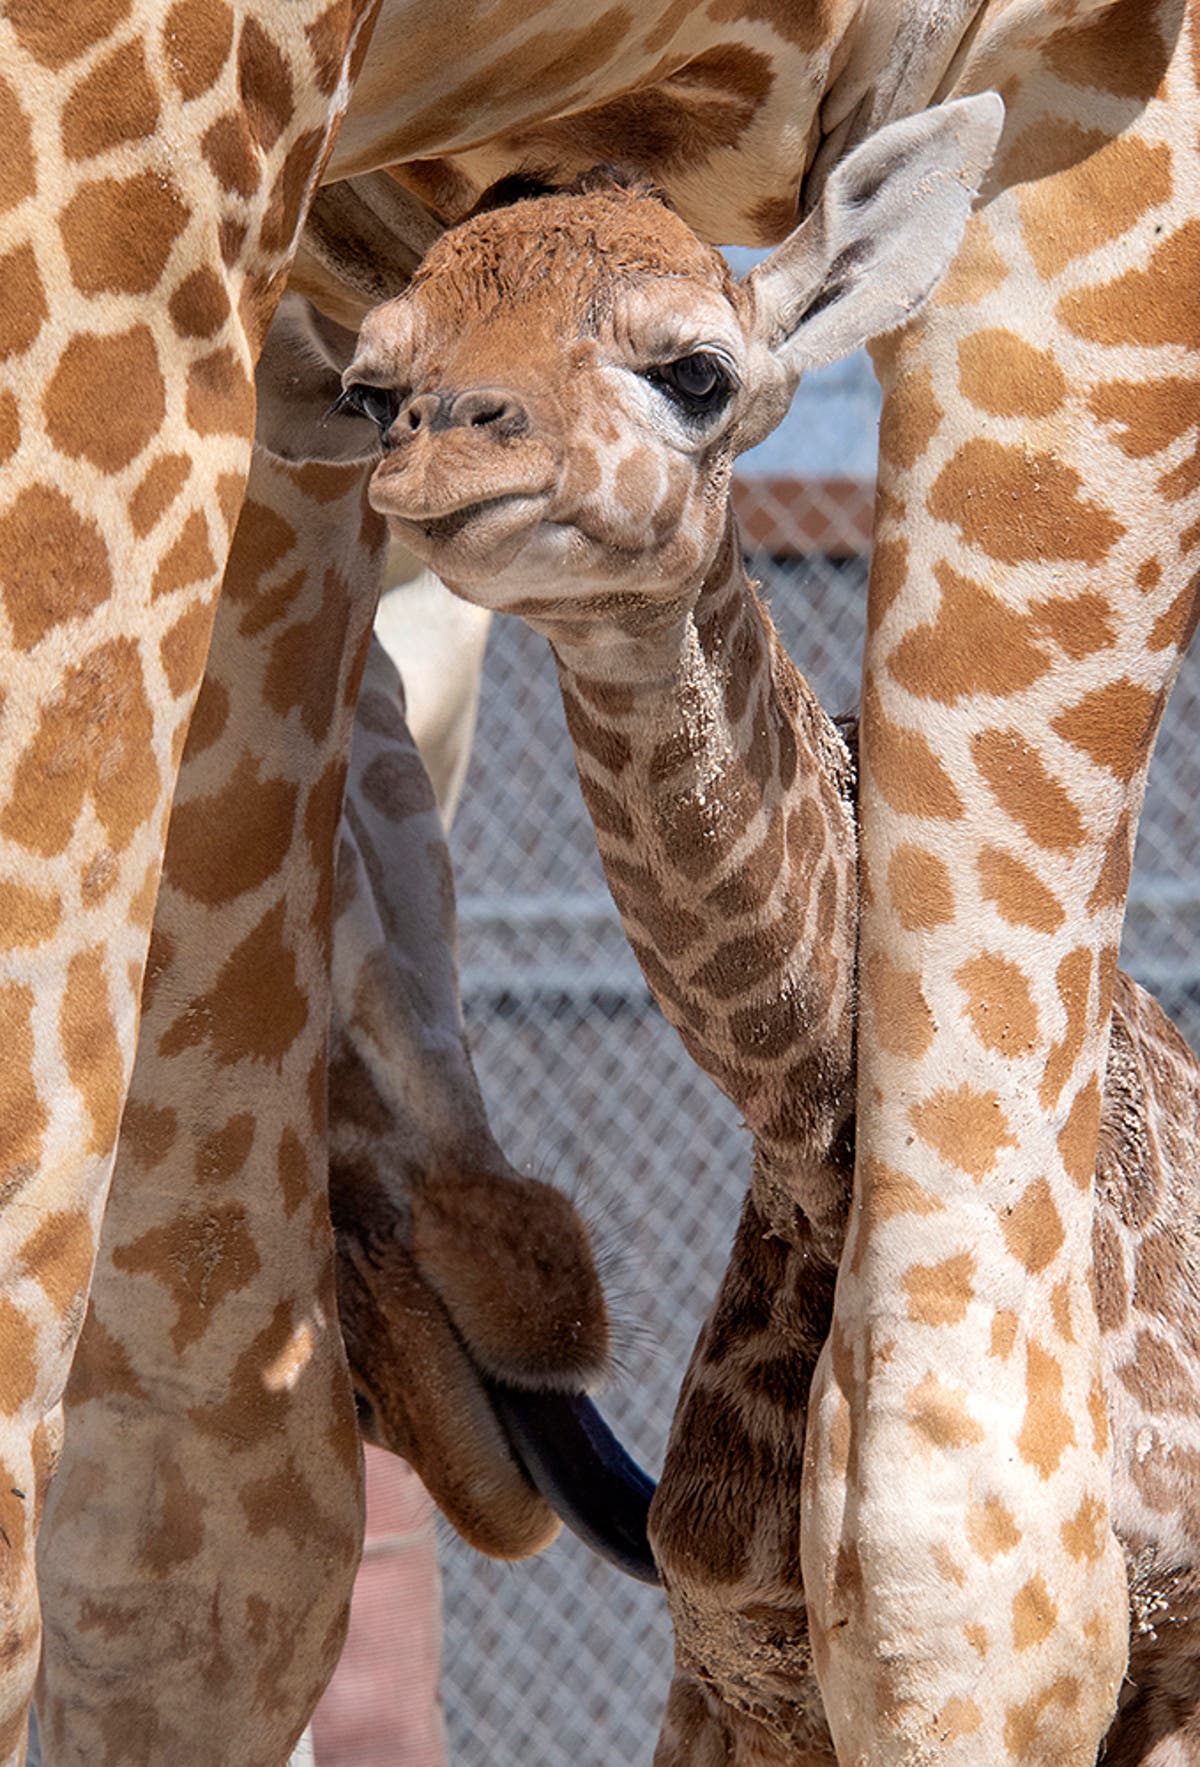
column 699, row 384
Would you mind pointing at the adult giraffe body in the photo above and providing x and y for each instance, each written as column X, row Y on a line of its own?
column 722, row 798
column 156, row 172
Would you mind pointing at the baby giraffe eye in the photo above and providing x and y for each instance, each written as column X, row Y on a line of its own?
column 699, row 384
column 380, row 404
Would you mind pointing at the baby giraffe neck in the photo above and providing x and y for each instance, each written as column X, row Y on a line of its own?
column 721, row 796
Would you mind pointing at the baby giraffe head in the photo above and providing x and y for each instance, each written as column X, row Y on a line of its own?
column 563, row 388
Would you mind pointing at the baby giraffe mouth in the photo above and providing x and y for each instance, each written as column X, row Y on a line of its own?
column 443, row 528
column 574, row 1461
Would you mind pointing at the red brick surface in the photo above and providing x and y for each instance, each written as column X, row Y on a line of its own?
column 381, row 1709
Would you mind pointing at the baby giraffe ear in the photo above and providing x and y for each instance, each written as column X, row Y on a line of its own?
column 882, row 235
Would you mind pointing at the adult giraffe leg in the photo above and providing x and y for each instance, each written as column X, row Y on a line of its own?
column 138, row 263
column 1032, row 589
column 203, row 1533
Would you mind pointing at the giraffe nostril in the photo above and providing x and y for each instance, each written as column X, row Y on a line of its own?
column 490, row 408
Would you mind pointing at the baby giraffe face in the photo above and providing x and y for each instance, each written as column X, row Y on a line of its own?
column 561, row 391
column 559, row 395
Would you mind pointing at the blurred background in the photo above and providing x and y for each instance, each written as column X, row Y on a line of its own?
column 561, row 1661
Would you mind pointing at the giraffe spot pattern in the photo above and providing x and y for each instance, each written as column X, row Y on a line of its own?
column 1033, row 1229
column 1031, row 510
column 23, row 1115
column 210, row 716
column 1004, row 1335
column 1084, row 1533
column 920, row 888
column 91, row 1048
column 1046, row 1431
column 1151, row 306
column 220, row 396
column 118, row 375
column 884, row 1194
column 1147, row 416
column 1034, row 1614
column 1002, row 374
column 18, row 1358
column 172, row 1532
column 229, row 147
column 197, row 41
column 1110, row 1288
column 908, row 774
column 1112, row 879
column 1018, row 892
column 264, row 84
column 939, row 1416
column 200, row 1258
column 966, row 1127
column 148, row 1132
column 58, row 36
column 199, row 306
column 24, row 310
column 223, row 1154
column 1113, row 725
column 158, row 489
column 295, row 1181
column 1119, row 50
column 939, row 1294
column 1026, row 791
column 889, row 573
column 910, row 419
column 904, row 1024
column 297, row 679
column 1158, row 1379
column 116, row 102
column 287, row 193
column 58, row 1255
column 10, row 427
column 1082, row 189
column 975, row 645
column 93, row 740
column 1078, row 624
column 947, row 1566
column 1077, row 1138
column 118, row 233
column 18, row 173
column 189, row 560
column 1073, row 980
column 978, row 268
column 1060, row 1311
column 256, row 1008
column 1174, row 629
column 326, row 37
column 991, row 1529
column 999, row 1004
column 28, row 916
column 55, row 564
column 183, row 649
column 397, row 785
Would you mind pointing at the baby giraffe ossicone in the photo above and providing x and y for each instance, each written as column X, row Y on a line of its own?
column 560, row 396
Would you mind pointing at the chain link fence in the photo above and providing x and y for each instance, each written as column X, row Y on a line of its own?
column 561, row 1662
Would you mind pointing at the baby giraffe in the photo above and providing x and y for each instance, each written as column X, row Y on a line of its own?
column 560, row 396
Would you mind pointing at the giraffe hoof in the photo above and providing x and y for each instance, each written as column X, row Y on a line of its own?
column 569, row 1453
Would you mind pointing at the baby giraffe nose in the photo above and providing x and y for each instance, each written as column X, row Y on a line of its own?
column 489, row 408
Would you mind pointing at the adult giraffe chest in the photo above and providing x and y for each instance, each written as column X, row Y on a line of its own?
column 721, row 104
